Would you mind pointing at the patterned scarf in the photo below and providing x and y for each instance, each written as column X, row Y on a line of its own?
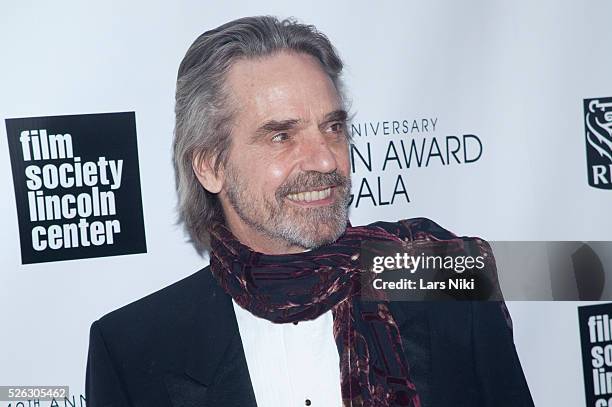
column 297, row 287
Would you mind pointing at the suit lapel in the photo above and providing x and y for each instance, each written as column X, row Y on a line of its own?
column 215, row 365
column 213, row 330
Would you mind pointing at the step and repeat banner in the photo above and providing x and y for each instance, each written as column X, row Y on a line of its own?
column 492, row 118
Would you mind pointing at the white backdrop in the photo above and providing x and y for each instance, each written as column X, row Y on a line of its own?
column 512, row 73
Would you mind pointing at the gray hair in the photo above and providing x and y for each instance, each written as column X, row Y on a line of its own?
column 203, row 110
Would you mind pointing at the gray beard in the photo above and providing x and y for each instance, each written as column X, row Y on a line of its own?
column 302, row 227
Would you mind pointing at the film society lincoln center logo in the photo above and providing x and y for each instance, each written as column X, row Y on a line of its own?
column 77, row 186
column 598, row 129
column 596, row 340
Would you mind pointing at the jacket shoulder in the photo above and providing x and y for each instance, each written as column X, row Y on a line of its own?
column 156, row 327
column 133, row 348
column 168, row 302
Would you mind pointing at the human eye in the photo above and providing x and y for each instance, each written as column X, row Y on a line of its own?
column 280, row 137
column 337, row 127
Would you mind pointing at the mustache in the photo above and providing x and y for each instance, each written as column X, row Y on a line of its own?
column 312, row 180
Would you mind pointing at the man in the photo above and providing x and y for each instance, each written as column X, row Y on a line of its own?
column 262, row 168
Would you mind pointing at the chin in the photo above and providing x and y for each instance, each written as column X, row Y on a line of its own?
column 310, row 232
column 321, row 238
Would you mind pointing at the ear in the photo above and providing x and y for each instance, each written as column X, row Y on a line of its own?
column 203, row 169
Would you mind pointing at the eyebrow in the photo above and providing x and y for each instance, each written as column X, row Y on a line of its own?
column 272, row 126
column 339, row 115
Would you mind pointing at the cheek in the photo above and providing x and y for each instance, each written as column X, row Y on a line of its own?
column 264, row 171
column 276, row 172
column 267, row 177
column 275, row 175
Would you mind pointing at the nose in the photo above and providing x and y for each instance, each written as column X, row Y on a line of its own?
column 318, row 154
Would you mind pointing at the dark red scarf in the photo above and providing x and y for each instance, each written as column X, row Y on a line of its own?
column 298, row 287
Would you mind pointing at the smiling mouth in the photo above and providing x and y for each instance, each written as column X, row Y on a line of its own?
column 311, row 196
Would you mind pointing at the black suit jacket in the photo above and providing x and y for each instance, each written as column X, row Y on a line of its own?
column 181, row 347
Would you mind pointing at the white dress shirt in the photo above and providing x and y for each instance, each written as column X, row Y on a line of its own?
column 291, row 364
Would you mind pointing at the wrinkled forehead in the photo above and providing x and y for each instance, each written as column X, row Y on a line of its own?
column 281, row 86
